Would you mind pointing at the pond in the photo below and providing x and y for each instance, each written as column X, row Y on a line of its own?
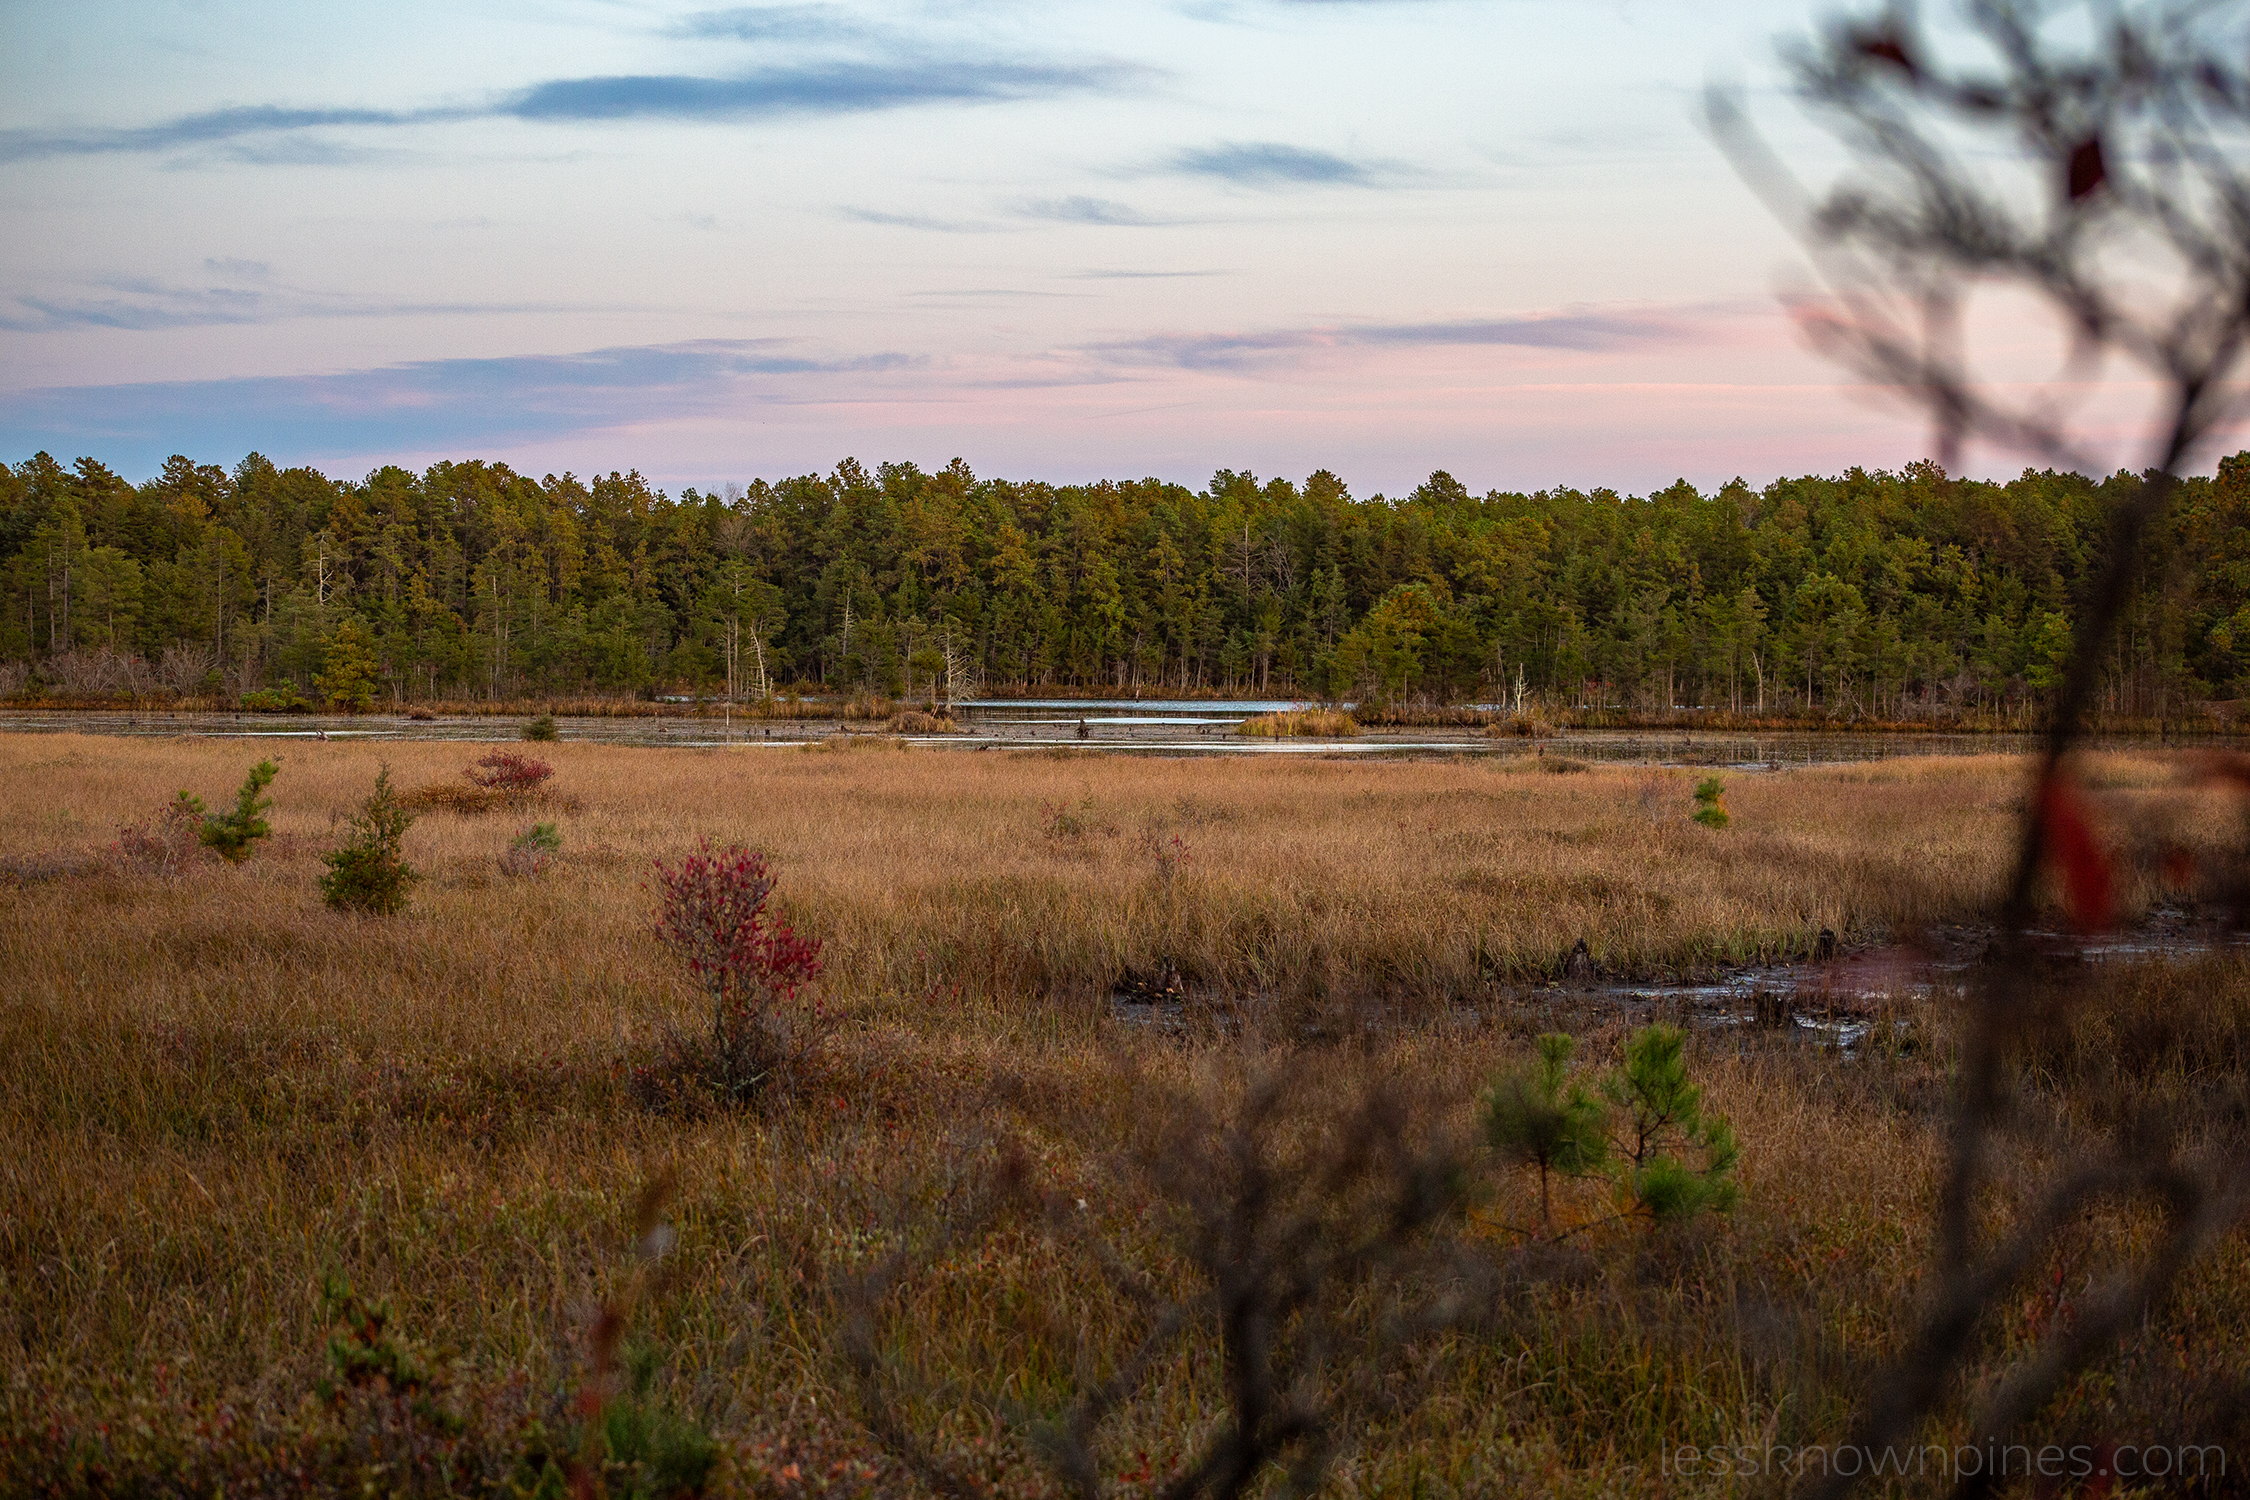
column 1841, row 1002
column 1144, row 726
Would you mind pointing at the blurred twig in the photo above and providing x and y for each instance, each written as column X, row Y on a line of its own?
column 1315, row 1237
column 2128, row 216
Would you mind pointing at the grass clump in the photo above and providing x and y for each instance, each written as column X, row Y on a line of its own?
column 914, row 721
column 496, row 779
column 1300, row 723
column 368, row 873
column 531, row 852
column 843, row 742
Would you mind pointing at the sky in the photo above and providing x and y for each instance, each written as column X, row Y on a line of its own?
column 1063, row 241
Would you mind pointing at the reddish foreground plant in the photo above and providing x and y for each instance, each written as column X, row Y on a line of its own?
column 164, row 843
column 754, row 964
column 507, row 771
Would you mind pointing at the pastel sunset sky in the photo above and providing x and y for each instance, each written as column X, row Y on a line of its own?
column 1063, row 241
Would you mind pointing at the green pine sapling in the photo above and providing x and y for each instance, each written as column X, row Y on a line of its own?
column 1663, row 1108
column 368, row 872
column 234, row 834
column 1710, row 808
column 1538, row 1116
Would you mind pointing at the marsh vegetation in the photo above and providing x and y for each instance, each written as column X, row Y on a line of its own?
column 977, row 1201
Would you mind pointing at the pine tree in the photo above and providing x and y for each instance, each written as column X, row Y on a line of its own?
column 347, row 679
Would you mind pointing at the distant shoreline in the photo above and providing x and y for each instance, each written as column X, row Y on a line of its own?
column 2213, row 721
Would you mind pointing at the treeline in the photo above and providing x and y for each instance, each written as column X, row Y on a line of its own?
column 1888, row 595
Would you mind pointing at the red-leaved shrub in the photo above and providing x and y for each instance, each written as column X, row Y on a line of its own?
column 714, row 915
column 165, row 843
column 507, row 771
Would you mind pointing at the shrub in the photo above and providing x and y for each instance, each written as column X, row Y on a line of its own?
column 1710, row 810
column 368, row 873
column 753, row 963
column 1061, row 823
column 647, row 1450
column 541, row 728
column 235, row 833
column 533, row 850
column 275, row 700
column 508, row 772
column 452, row 797
column 365, row 1355
column 166, row 842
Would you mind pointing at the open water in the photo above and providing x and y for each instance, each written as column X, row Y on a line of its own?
column 1143, row 726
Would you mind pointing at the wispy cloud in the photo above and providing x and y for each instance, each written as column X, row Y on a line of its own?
column 919, row 221
column 1587, row 331
column 424, row 405
column 947, row 294
column 835, row 87
column 142, row 304
column 1078, row 209
column 1144, row 275
column 211, row 127
column 770, row 23
column 828, row 88
column 1274, row 164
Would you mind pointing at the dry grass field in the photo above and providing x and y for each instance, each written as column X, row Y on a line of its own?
column 214, row 1092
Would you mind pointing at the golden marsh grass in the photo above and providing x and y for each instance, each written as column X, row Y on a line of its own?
column 213, row 1090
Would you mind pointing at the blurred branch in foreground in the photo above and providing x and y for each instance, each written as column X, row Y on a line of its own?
column 2088, row 157
column 1319, row 1241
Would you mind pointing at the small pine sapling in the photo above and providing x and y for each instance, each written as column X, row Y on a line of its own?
column 1710, row 806
column 235, row 833
column 1538, row 1116
column 541, row 728
column 1663, row 1113
column 368, row 872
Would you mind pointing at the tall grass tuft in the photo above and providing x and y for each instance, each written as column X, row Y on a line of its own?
column 1300, row 723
